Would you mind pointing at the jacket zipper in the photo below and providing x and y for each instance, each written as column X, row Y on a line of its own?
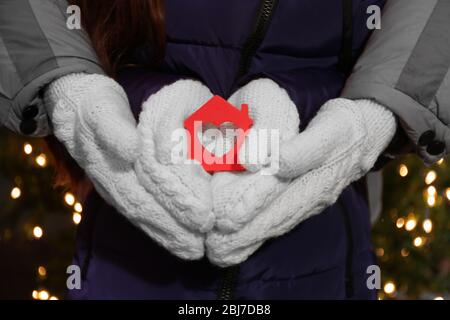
column 252, row 44
column 229, row 280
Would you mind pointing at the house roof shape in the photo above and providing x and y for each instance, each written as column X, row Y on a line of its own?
column 217, row 111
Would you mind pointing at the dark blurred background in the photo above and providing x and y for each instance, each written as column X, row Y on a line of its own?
column 37, row 222
column 38, row 226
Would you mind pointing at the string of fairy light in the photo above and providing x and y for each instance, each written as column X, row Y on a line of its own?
column 37, row 231
column 410, row 222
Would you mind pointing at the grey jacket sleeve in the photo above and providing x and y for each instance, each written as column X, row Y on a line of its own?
column 405, row 67
column 36, row 47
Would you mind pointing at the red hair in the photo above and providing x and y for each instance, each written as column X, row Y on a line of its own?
column 116, row 28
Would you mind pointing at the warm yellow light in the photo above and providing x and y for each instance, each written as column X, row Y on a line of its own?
column 35, row 295
column 41, row 160
column 440, row 162
column 78, row 207
column 403, row 170
column 427, row 225
column 431, row 190
column 69, row 198
column 447, row 193
column 418, row 242
column 42, row 271
column 43, row 295
column 27, row 148
column 404, row 253
column 38, row 232
column 431, row 201
column 411, row 224
column 430, row 177
column 438, row 298
column 389, row 288
column 379, row 252
column 76, row 218
column 400, row 223
column 16, row 193
column 53, row 298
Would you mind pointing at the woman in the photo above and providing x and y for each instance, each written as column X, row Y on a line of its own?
column 304, row 51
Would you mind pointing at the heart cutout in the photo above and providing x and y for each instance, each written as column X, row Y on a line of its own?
column 218, row 140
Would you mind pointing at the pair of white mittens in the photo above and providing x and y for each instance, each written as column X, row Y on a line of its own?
column 129, row 165
column 196, row 199
column 311, row 169
column 182, row 207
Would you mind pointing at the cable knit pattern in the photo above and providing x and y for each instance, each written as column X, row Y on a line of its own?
column 239, row 197
column 331, row 135
column 92, row 118
column 271, row 108
column 182, row 188
column 347, row 137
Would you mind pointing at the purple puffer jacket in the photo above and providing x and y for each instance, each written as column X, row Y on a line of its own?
column 325, row 257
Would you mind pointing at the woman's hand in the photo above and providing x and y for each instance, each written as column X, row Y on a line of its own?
column 182, row 187
column 344, row 131
column 92, row 118
column 339, row 146
column 239, row 197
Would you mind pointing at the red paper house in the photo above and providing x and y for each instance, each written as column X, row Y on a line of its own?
column 216, row 112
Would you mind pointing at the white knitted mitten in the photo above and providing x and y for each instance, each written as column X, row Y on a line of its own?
column 360, row 128
column 271, row 108
column 239, row 197
column 182, row 188
column 340, row 145
column 92, row 118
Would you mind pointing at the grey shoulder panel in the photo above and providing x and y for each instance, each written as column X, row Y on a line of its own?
column 405, row 66
column 429, row 62
column 27, row 46
column 36, row 47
